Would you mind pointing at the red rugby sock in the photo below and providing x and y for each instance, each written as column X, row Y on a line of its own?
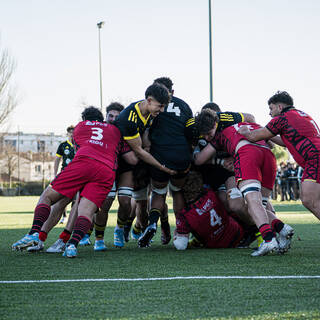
column 41, row 214
column 81, row 227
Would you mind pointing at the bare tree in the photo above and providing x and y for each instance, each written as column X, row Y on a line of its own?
column 10, row 161
column 8, row 97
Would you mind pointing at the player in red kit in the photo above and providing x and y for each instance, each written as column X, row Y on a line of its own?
column 92, row 171
column 206, row 218
column 255, row 171
column 301, row 135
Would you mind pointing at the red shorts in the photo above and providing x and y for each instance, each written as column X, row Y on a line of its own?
column 257, row 163
column 312, row 170
column 92, row 177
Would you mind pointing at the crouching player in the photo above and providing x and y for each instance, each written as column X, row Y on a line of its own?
column 206, row 218
column 92, row 171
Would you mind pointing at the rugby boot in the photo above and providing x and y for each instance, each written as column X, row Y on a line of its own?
column 266, row 247
column 146, row 238
column 71, row 251
column 126, row 232
column 134, row 235
column 284, row 238
column 118, row 237
column 27, row 241
column 85, row 241
column 58, row 247
column 99, row 245
column 38, row 247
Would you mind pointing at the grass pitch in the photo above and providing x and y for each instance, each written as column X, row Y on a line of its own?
column 191, row 298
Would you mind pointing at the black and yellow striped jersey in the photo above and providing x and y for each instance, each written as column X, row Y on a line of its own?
column 131, row 122
column 227, row 119
column 65, row 151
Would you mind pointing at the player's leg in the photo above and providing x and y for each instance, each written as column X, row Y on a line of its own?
column 53, row 219
column 125, row 189
column 101, row 221
column 157, row 204
column 140, row 206
column 41, row 214
column 64, row 236
column 310, row 192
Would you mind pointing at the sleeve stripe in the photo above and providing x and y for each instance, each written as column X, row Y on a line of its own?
column 132, row 137
column 58, row 155
column 190, row 124
column 242, row 117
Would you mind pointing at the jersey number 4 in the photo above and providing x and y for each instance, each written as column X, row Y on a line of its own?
column 175, row 110
column 215, row 219
column 96, row 134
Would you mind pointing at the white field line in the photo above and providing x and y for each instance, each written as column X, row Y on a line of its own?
column 159, row 279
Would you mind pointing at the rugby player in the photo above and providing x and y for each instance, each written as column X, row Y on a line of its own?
column 205, row 217
column 170, row 136
column 132, row 123
column 301, row 135
column 91, row 171
column 255, row 170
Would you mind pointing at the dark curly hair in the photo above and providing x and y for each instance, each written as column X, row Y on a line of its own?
column 92, row 113
column 116, row 106
column 212, row 106
column 281, row 97
column 165, row 81
column 206, row 120
column 159, row 92
column 70, row 128
column 193, row 187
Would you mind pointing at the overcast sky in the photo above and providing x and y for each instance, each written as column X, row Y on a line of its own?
column 259, row 47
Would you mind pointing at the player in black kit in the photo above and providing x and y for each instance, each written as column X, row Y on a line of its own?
column 169, row 137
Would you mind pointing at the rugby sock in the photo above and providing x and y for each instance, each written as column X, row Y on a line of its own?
column 43, row 236
column 277, row 225
column 90, row 230
column 164, row 219
column 266, row 232
column 136, row 229
column 65, row 235
column 41, row 214
column 154, row 215
column 120, row 223
column 129, row 222
column 99, row 231
column 81, row 227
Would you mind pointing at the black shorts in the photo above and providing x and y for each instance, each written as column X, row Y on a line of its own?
column 123, row 166
column 214, row 175
column 160, row 176
column 141, row 176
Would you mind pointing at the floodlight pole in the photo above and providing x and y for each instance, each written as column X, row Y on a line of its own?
column 210, row 52
column 99, row 25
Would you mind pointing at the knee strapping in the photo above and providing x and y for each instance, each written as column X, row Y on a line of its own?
column 125, row 192
column 234, row 193
column 160, row 191
column 141, row 194
column 173, row 188
column 251, row 187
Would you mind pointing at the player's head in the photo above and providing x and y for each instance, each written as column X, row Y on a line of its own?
column 92, row 114
column 212, row 106
column 70, row 130
column 112, row 111
column 278, row 102
column 165, row 81
column 207, row 122
column 157, row 97
column 193, row 187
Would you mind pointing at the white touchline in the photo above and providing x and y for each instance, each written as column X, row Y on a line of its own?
column 159, row 279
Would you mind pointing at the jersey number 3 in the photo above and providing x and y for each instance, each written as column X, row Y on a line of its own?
column 175, row 110
column 96, row 134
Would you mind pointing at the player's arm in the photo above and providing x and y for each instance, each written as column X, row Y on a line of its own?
column 56, row 164
column 248, row 117
column 277, row 140
column 59, row 155
column 146, row 143
column 255, row 135
column 136, row 146
column 204, row 155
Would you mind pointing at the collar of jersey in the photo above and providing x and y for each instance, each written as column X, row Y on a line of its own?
column 287, row 109
column 143, row 119
column 70, row 143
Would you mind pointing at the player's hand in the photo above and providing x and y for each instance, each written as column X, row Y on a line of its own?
column 244, row 130
column 169, row 171
column 228, row 164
